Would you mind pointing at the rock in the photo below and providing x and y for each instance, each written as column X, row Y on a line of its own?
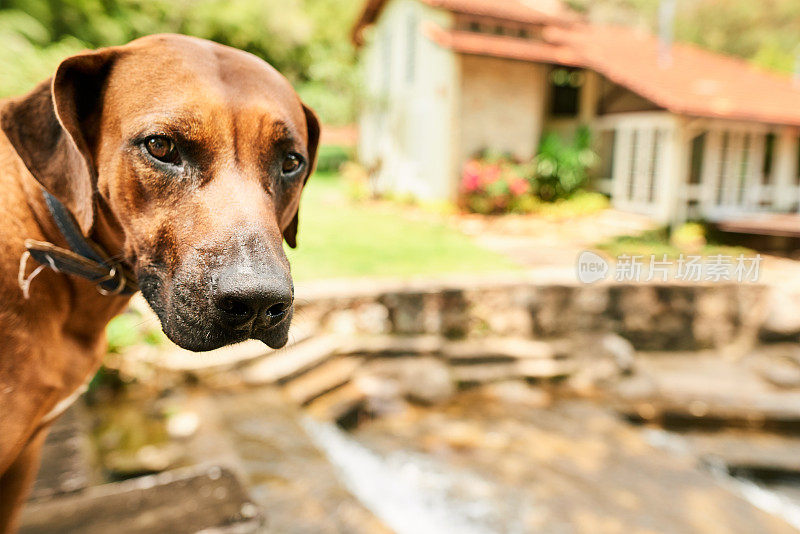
column 342, row 322
column 428, row 381
column 590, row 375
column 322, row 379
column 288, row 363
column 338, row 405
column 486, row 372
column 373, row 319
column 421, row 379
column 497, row 349
column 183, row 424
column 783, row 374
column 391, row 345
column 545, row 368
column 182, row 501
column 148, row 459
column 517, row 392
column 454, row 314
column 66, row 456
column 620, row 350
column 406, row 312
column 783, row 315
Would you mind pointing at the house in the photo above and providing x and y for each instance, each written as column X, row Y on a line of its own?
column 682, row 133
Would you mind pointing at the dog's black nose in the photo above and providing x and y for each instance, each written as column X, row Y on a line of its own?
column 242, row 303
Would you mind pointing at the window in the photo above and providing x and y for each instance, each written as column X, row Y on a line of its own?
column 697, row 157
column 565, row 88
column 744, row 166
column 632, row 171
column 493, row 26
column 655, row 161
column 723, row 164
column 769, row 154
column 797, row 169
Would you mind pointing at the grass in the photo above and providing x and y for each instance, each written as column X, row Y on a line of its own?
column 657, row 242
column 339, row 238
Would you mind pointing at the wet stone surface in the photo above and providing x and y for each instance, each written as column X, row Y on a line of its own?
column 571, row 468
column 289, row 477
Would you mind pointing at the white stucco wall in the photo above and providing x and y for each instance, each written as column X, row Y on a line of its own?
column 406, row 126
column 502, row 106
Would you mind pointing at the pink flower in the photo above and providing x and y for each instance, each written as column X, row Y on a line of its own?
column 491, row 174
column 471, row 176
column 519, row 187
column 471, row 182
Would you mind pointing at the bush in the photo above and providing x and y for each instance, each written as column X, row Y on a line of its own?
column 496, row 184
column 332, row 157
column 562, row 168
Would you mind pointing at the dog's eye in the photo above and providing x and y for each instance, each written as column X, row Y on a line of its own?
column 162, row 148
column 292, row 163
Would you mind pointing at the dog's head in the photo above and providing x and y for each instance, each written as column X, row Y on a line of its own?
column 194, row 155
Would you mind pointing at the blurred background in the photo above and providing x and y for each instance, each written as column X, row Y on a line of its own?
column 547, row 279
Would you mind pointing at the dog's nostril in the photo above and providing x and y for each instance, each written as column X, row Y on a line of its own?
column 234, row 306
column 278, row 309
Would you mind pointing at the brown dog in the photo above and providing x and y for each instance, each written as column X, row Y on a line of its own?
column 184, row 161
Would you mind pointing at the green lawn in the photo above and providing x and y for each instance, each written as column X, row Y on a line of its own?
column 343, row 238
column 657, row 243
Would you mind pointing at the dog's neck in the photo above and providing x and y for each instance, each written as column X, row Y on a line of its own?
column 107, row 232
column 89, row 311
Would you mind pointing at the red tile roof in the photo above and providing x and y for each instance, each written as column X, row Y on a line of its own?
column 550, row 12
column 504, row 47
column 696, row 82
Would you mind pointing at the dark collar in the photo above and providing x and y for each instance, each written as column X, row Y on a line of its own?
column 83, row 258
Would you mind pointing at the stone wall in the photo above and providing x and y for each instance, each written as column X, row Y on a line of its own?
column 651, row 316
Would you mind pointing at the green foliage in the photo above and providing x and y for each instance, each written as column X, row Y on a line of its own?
column 131, row 329
column 307, row 40
column 332, row 157
column 561, row 167
column 767, row 33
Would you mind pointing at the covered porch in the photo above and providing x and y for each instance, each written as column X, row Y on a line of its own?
column 677, row 168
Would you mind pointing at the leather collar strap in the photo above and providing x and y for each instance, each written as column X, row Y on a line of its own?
column 83, row 258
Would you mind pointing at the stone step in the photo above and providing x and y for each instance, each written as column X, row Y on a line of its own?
column 181, row 501
column 538, row 369
column 774, row 412
column 338, row 404
column 490, row 349
column 498, row 349
column 66, row 456
column 322, row 379
column 392, row 345
column 290, row 363
column 741, row 452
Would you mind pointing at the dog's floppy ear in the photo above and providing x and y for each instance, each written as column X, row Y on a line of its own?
column 52, row 128
column 312, row 123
